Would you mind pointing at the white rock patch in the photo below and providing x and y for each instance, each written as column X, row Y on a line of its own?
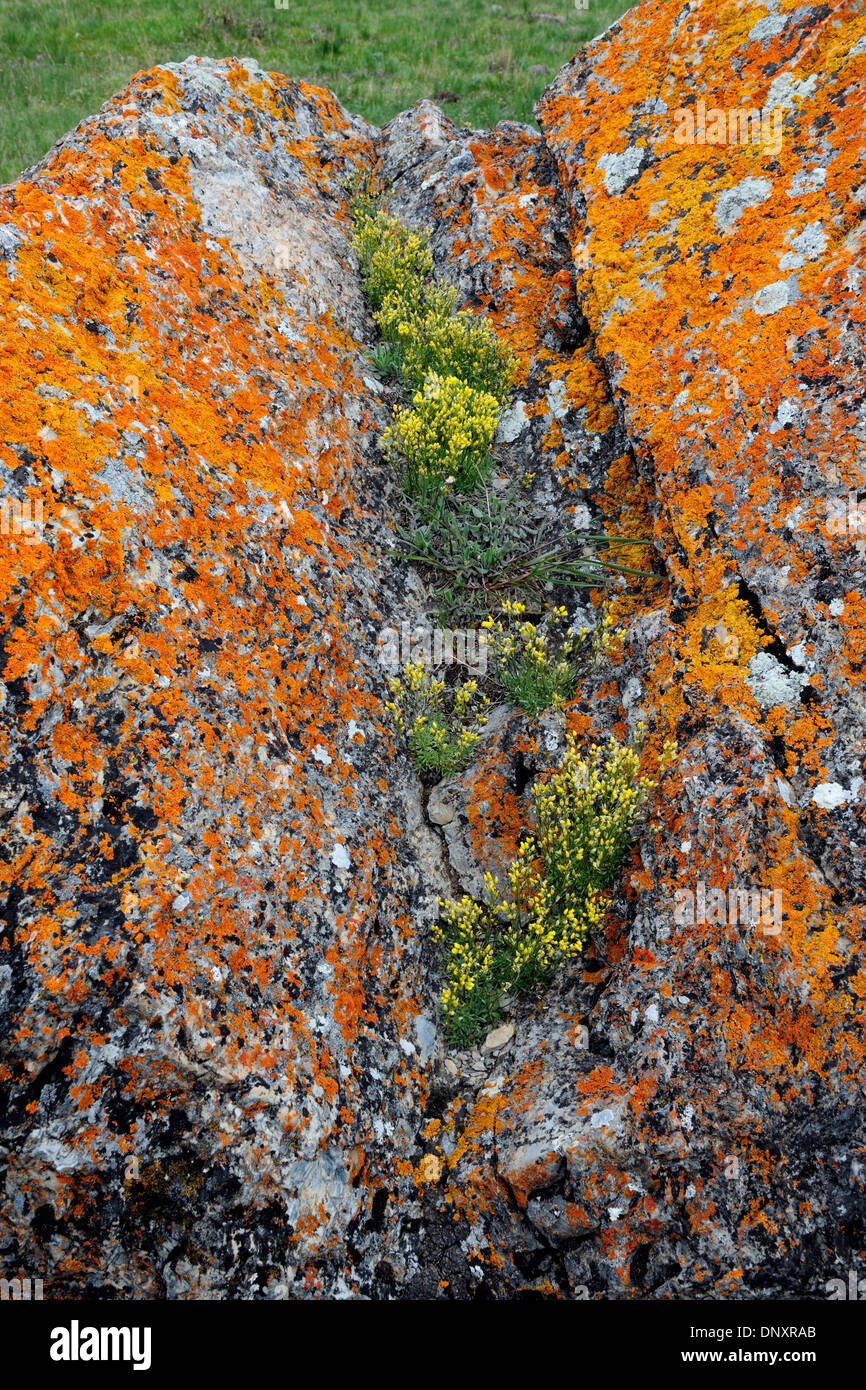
column 621, row 169
column 771, row 684
column 512, row 422
column 829, row 795
column 731, row 205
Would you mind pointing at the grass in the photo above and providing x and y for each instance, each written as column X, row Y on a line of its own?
column 61, row 59
column 474, row 552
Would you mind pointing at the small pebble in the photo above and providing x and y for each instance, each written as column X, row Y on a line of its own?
column 498, row 1037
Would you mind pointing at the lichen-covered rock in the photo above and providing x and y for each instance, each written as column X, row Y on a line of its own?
column 706, row 1138
column 215, row 965
column 222, row 1070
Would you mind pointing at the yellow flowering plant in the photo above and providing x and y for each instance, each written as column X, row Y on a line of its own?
column 454, row 363
column 409, row 310
column 443, row 437
column 606, row 641
column 464, row 346
column 586, row 814
column 364, row 192
column 440, row 723
column 460, row 375
column 535, row 663
column 396, row 261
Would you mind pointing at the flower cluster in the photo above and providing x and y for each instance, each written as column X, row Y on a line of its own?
column 444, row 435
column 405, row 316
column 396, row 261
column 454, row 362
column 464, row 346
column 606, row 641
column 440, row 723
column 586, row 814
column 536, row 666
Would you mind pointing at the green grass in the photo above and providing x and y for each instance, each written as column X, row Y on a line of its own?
column 61, row 59
column 474, row 552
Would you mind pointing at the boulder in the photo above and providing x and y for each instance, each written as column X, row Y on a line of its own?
column 216, row 968
column 705, row 1139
